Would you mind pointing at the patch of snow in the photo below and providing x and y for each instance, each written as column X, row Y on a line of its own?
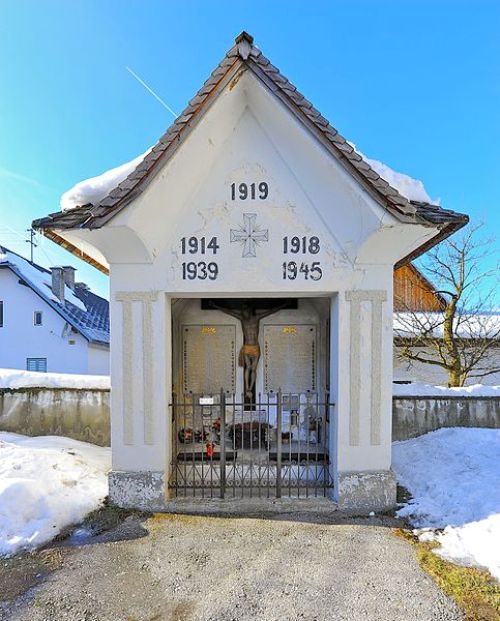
column 454, row 478
column 476, row 543
column 426, row 390
column 93, row 190
column 412, row 189
column 40, row 279
column 46, row 484
column 16, row 378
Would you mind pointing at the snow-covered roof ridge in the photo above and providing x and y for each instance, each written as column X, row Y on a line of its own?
column 93, row 190
column 410, row 188
column 82, row 309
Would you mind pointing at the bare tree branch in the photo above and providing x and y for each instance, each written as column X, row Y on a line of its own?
column 462, row 338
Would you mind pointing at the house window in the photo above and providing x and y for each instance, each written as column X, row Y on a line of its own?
column 37, row 318
column 36, row 364
column 1, row 314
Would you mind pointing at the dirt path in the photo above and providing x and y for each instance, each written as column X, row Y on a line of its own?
column 288, row 568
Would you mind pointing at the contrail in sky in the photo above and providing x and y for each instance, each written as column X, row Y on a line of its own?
column 148, row 88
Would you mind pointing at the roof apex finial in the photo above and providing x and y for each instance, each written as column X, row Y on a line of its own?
column 244, row 41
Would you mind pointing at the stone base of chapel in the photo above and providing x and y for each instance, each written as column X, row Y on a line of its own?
column 366, row 491
column 137, row 490
column 355, row 491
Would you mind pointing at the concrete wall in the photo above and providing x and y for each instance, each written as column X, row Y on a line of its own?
column 414, row 416
column 79, row 414
column 84, row 414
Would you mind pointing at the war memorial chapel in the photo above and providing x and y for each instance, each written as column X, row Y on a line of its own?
column 251, row 254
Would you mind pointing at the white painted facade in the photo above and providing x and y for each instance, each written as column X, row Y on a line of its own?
column 248, row 136
column 65, row 349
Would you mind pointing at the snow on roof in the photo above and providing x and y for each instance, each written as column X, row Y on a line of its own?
column 93, row 190
column 39, row 277
column 82, row 309
column 412, row 189
column 467, row 325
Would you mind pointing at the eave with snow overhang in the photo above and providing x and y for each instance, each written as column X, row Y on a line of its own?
column 251, row 202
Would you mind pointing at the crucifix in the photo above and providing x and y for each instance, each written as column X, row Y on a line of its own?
column 249, row 355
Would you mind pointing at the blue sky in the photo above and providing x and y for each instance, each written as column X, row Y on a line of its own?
column 414, row 84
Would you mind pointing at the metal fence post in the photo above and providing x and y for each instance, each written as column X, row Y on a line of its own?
column 174, row 432
column 222, row 443
column 279, row 412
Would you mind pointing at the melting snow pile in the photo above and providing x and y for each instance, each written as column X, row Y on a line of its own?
column 426, row 390
column 93, row 190
column 454, row 478
column 46, row 484
column 16, row 378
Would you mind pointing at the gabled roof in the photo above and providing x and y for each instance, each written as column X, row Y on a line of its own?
column 85, row 311
column 244, row 55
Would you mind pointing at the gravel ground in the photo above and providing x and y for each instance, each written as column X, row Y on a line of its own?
column 288, row 567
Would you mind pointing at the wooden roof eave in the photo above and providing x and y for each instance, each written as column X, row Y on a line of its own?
column 77, row 252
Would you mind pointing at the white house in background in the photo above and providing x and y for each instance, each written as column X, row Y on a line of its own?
column 48, row 322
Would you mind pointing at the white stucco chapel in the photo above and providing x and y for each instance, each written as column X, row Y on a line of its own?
column 251, row 256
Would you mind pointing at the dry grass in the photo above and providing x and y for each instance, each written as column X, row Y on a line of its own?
column 22, row 572
column 475, row 591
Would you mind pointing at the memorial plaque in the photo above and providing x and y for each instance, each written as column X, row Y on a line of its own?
column 290, row 358
column 208, row 358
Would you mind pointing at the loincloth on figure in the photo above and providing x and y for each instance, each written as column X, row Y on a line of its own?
column 248, row 350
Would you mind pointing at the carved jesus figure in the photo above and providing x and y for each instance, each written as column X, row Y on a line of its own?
column 249, row 355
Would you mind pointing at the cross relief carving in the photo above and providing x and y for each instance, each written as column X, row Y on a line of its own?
column 249, row 235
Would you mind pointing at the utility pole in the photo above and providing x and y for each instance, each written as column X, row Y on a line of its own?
column 31, row 241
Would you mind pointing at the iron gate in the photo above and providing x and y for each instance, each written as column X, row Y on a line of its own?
column 275, row 447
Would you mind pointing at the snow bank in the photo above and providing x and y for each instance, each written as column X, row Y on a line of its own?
column 46, row 484
column 454, row 478
column 16, row 378
column 412, row 189
column 426, row 390
column 93, row 190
